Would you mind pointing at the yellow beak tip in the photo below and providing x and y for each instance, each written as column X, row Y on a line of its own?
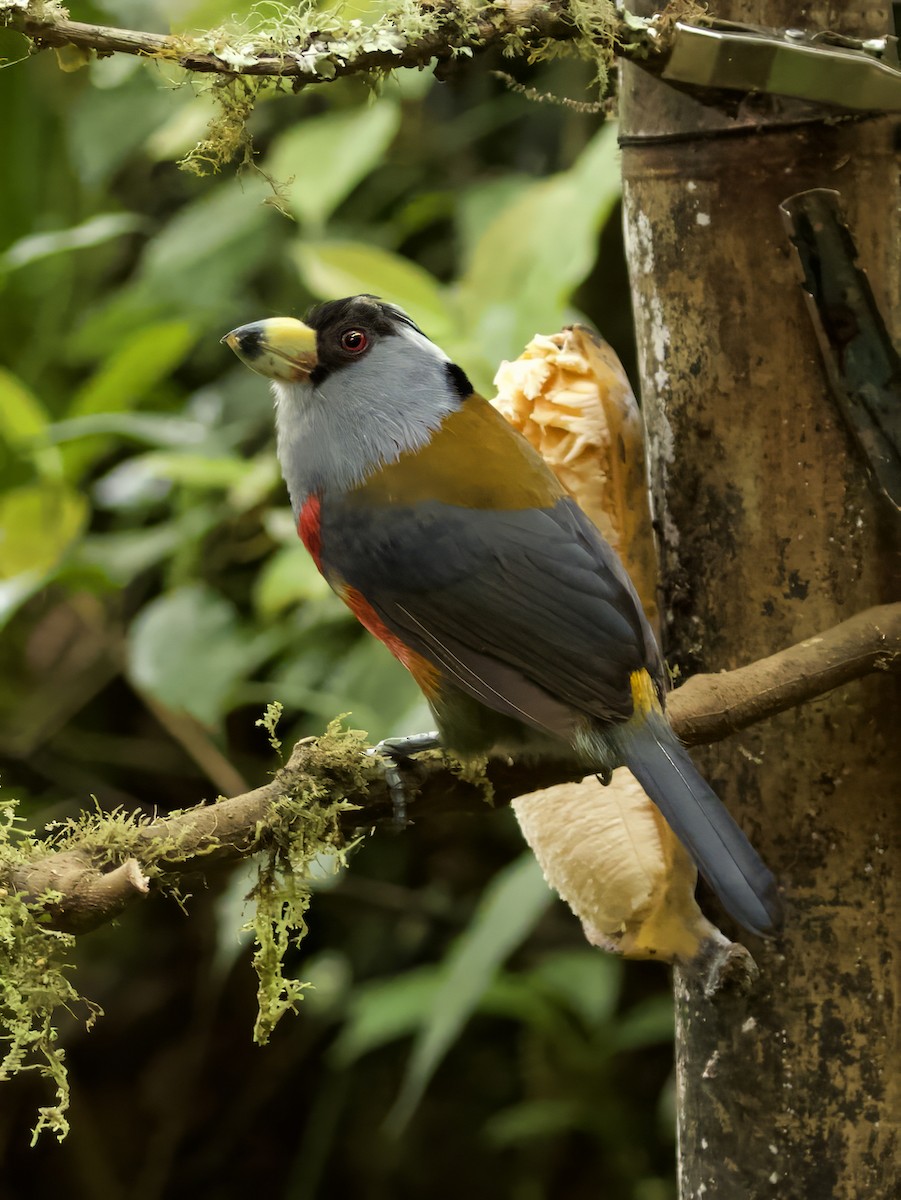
column 279, row 348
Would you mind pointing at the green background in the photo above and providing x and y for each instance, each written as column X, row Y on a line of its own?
column 459, row 1037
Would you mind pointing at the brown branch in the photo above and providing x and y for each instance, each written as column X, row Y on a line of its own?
column 662, row 43
column 320, row 56
column 706, row 709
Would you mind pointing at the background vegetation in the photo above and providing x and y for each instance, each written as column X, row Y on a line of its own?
column 153, row 599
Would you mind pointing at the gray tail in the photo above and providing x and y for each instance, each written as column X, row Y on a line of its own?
column 720, row 850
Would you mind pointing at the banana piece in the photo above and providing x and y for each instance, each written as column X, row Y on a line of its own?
column 613, row 859
column 607, row 850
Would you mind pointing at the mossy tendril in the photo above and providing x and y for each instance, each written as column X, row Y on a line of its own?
column 34, row 979
column 303, row 826
column 325, row 42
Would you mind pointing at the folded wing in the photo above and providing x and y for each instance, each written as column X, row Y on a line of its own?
column 511, row 604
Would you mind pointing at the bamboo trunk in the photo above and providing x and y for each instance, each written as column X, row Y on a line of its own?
column 769, row 533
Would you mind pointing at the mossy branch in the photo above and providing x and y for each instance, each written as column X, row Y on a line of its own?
column 323, row 47
column 334, row 769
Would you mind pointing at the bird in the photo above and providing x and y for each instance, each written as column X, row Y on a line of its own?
column 452, row 541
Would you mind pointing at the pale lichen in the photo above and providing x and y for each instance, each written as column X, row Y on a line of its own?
column 277, row 45
column 597, row 24
column 320, row 43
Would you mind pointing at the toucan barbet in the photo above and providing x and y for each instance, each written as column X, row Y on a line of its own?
column 450, row 539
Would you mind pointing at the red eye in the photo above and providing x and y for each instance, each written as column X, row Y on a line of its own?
column 354, row 341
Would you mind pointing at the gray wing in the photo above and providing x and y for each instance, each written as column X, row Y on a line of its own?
column 511, row 604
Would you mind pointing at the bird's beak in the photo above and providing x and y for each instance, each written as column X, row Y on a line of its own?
column 280, row 348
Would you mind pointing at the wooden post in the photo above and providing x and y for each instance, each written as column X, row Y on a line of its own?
column 769, row 532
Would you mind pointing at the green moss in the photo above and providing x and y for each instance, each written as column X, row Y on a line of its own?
column 304, row 825
column 109, row 838
column 597, row 23
column 329, row 39
column 472, row 771
column 35, row 961
column 322, row 40
column 227, row 136
column 34, row 980
column 269, row 721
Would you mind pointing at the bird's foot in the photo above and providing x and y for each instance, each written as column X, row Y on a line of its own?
column 398, row 752
column 604, row 776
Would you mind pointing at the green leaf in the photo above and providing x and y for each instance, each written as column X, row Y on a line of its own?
column 23, row 420
column 646, row 1024
column 189, row 650
column 508, row 912
column 111, row 118
column 537, row 249
column 383, row 1011
column 123, row 555
column 586, row 981
column 369, row 682
column 134, row 368
column 247, row 481
column 480, row 204
column 197, row 470
column 254, row 485
column 37, row 525
column 513, row 996
column 14, row 592
column 185, row 127
column 154, row 429
column 192, row 268
column 289, row 577
column 281, row 525
column 324, row 158
column 93, row 232
column 532, row 1119
column 22, row 416
column 207, row 232
column 333, row 269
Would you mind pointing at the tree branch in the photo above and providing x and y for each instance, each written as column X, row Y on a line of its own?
column 706, row 709
column 322, row 55
column 715, row 61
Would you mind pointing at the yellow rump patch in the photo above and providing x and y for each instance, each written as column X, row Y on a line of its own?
column 644, row 694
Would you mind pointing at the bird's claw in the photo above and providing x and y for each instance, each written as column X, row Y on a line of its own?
column 396, row 751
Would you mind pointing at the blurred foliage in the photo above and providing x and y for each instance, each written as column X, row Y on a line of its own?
column 154, row 599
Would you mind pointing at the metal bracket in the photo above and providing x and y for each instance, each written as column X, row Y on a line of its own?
column 820, row 68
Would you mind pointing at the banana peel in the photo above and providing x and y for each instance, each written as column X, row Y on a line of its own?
column 610, row 855
column 607, row 850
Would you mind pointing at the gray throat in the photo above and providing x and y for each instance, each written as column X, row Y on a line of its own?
column 333, row 435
